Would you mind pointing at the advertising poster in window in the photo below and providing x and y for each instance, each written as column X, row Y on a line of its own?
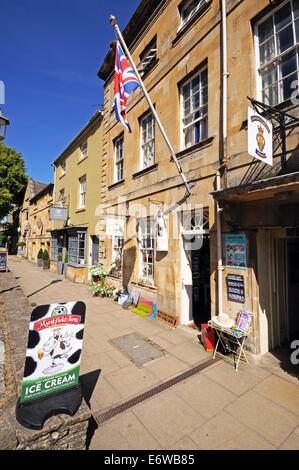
column 235, row 250
column 54, row 350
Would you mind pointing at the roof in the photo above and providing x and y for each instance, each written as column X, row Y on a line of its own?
column 98, row 115
column 47, row 188
column 132, row 32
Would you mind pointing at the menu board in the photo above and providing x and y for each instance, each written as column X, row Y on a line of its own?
column 3, row 261
column 235, row 288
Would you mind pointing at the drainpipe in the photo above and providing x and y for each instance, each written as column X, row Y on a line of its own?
column 223, row 157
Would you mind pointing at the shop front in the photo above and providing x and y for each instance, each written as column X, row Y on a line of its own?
column 261, row 257
column 69, row 247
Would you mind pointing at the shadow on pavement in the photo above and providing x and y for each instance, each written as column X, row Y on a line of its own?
column 45, row 287
column 88, row 382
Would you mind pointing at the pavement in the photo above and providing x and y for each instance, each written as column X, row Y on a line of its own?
column 216, row 408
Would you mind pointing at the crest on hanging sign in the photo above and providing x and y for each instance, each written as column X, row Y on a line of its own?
column 260, row 137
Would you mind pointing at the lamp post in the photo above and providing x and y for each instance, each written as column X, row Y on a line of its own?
column 4, row 122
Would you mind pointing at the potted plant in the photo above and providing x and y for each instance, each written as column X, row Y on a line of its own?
column 46, row 260
column 98, row 274
column 40, row 258
column 59, row 265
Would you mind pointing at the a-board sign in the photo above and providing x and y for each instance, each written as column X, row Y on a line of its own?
column 54, row 350
column 3, row 261
column 235, row 288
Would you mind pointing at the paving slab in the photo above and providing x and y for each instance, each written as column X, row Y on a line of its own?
column 168, row 418
column 204, row 395
column 247, row 440
column 123, row 432
column 190, row 351
column 186, row 443
column 167, row 367
column 291, row 442
column 280, row 391
column 262, row 415
column 236, row 382
column 131, row 380
column 216, row 432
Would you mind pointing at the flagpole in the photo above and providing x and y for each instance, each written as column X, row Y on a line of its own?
column 113, row 22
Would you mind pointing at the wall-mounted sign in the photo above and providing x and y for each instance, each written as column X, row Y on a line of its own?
column 260, row 137
column 59, row 213
column 162, row 235
column 235, row 250
column 235, row 288
column 54, row 350
column 3, row 260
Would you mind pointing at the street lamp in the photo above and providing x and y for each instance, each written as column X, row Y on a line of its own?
column 4, row 122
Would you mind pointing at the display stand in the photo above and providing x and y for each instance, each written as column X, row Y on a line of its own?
column 231, row 342
column 33, row 414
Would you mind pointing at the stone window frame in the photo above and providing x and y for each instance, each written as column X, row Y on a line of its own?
column 147, row 248
column 77, row 251
column 189, row 9
column 147, row 157
column 84, row 150
column 82, row 192
column 119, row 158
column 275, row 61
column 203, row 129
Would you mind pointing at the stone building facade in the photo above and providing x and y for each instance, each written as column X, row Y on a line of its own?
column 34, row 223
column 77, row 181
column 178, row 47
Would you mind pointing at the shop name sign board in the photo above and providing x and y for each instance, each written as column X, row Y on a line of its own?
column 54, row 350
column 260, row 137
column 59, row 213
column 235, row 288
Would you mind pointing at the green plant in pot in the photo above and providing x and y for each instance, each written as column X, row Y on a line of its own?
column 40, row 258
column 46, row 260
column 59, row 265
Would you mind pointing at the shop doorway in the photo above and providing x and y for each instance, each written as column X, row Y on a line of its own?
column 287, row 300
column 195, row 269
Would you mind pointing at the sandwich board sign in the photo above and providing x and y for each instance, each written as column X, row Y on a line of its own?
column 54, row 350
column 260, row 137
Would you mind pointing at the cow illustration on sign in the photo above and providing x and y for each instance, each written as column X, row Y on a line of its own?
column 57, row 347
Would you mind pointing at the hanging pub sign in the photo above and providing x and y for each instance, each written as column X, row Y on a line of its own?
column 235, row 288
column 54, row 350
column 235, row 250
column 161, row 233
column 260, row 137
column 59, row 213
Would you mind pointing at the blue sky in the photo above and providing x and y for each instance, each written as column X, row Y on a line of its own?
column 51, row 51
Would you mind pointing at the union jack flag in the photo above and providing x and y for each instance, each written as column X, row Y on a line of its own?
column 125, row 81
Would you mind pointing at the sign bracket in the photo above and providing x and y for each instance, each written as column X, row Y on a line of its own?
column 282, row 122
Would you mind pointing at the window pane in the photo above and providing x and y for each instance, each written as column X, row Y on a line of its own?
column 204, row 129
column 297, row 30
column 283, row 16
column 204, row 77
column 296, row 8
column 285, row 39
column 267, row 51
column 270, row 95
column 288, row 64
column 265, row 30
column 287, row 86
column 188, row 137
column 269, row 76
